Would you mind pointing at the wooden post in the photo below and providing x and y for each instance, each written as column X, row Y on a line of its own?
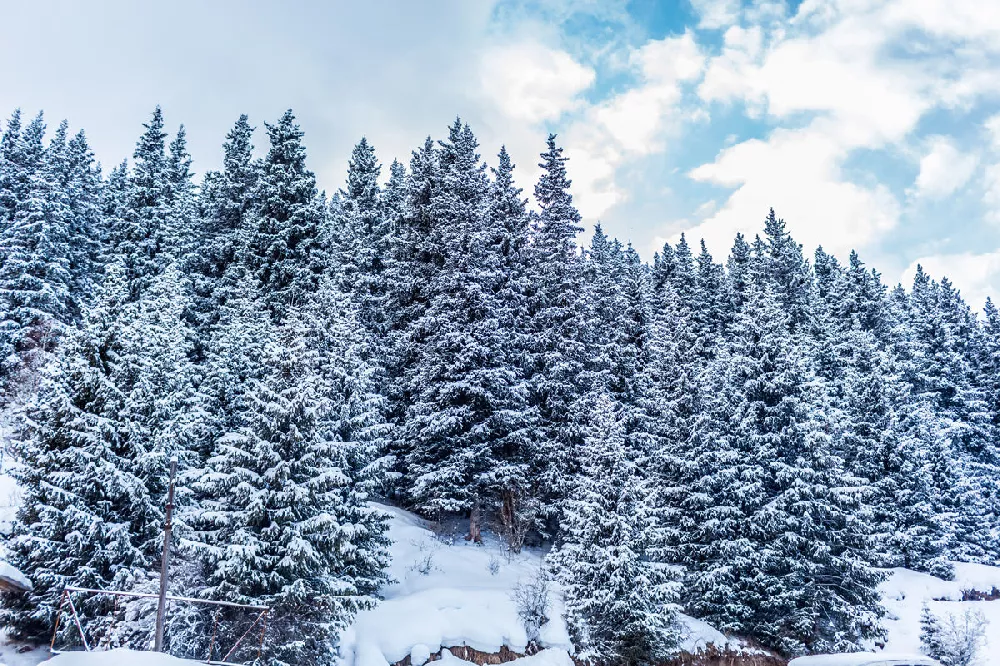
column 263, row 631
column 79, row 627
column 55, row 631
column 215, row 630
column 161, row 607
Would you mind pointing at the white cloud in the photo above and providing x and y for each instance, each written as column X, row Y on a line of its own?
column 726, row 75
column 631, row 124
column 976, row 275
column 797, row 172
column 716, row 13
column 991, row 192
column 992, row 127
column 840, row 76
column 532, row 83
column 944, row 169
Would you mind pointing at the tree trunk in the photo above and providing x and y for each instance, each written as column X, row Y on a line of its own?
column 475, row 520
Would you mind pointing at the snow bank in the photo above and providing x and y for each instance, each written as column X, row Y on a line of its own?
column 452, row 594
column 446, row 595
column 14, row 577
column 859, row 659
column 697, row 635
column 118, row 657
column 905, row 593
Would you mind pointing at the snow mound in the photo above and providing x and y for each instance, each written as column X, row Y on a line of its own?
column 697, row 635
column 860, row 659
column 118, row 657
column 452, row 593
column 13, row 576
column 905, row 593
column 447, row 594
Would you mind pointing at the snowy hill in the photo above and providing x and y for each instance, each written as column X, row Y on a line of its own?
column 449, row 593
column 452, row 593
column 905, row 593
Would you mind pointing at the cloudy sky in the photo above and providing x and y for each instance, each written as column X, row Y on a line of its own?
column 867, row 124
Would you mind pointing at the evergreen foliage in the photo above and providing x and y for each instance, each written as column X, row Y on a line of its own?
column 747, row 439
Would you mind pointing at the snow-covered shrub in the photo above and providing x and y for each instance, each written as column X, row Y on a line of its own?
column 424, row 566
column 954, row 640
column 942, row 568
column 532, row 601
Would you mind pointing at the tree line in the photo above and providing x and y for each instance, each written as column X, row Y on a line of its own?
column 751, row 441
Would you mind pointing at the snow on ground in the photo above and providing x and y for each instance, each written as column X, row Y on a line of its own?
column 447, row 594
column 905, row 593
column 450, row 593
column 9, row 655
column 698, row 635
column 13, row 576
column 118, row 657
column 859, row 659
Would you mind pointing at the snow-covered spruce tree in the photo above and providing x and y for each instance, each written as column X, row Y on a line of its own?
column 510, row 475
column 673, row 420
column 603, row 302
column 771, row 542
column 235, row 364
column 361, row 237
column 20, row 156
column 740, row 272
column 885, row 446
column 182, row 238
column 137, row 222
column 619, row 604
column 462, row 382
column 989, row 366
column 226, row 199
column 285, row 522
column 35, row 260
column 555, row 319
column 163, row 406
column 789, row 274
column 415, row 259
column 84, row 519
column 943, row 364
column 80, row 177
column 281, row 243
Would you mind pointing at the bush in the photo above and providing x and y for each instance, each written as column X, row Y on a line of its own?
column 532, row 602
column 954, row 640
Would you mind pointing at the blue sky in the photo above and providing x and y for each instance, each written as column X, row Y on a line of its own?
column 872, row 125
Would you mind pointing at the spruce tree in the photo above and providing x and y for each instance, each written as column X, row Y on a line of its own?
column 789, row 273
column 138, row 226
column 285, row 521
column 512, row 455
column 774, row 550
column 619, row 604
column 227, row 199
column 84, row 517
column 461, row 382
column 555, row 314
column 362, row 236
column 282, row 244
column 36, row 277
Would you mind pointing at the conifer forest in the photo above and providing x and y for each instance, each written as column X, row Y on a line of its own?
column 751, row 436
